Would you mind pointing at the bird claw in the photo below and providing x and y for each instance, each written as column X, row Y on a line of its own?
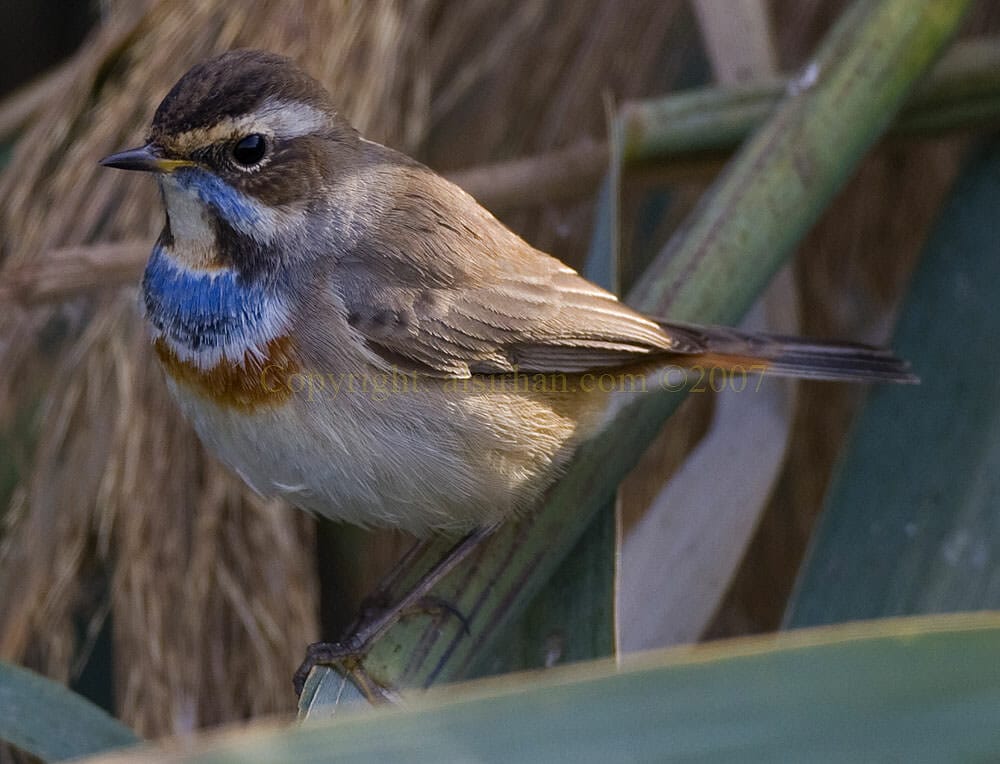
column 349, row 652
column 376, row 619
column 322, row 654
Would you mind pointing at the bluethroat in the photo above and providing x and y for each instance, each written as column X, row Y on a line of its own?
column 349, row 330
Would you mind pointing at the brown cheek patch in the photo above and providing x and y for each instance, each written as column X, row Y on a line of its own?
column 255, row 383
column 288, row 177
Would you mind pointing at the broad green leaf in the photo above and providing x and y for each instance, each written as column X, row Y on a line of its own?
column 912, row 523
column 49, row 721
column 909, row 690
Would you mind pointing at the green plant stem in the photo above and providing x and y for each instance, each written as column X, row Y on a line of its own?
column 686, row 134
column 961, row 92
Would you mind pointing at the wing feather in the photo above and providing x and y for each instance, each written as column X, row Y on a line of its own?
column 457, row 298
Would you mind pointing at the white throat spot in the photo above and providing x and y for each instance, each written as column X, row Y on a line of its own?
column 188, row 217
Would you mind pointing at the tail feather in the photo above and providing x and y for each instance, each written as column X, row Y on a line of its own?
column 786, row 356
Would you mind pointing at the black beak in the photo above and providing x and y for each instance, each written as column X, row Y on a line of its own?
column 144, row 159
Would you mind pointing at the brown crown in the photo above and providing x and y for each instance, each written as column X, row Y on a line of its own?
column 230, row 85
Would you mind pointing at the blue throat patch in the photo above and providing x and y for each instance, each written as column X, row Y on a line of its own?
column 231, row 205
column 202, row 310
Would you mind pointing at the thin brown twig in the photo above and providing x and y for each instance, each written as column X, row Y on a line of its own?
column 567, row 173
column 67, row 272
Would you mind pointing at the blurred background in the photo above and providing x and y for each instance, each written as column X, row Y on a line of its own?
column 138, row 570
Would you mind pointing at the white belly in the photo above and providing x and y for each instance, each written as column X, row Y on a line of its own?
column 473, row 460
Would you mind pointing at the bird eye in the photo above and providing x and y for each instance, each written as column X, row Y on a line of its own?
column 249, row 150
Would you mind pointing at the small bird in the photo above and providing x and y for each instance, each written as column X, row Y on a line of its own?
column 349, row 330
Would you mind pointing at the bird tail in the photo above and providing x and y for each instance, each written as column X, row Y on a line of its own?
column 726, row 348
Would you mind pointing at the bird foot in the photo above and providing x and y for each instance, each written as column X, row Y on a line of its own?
column 376, row 619
column 351, row 650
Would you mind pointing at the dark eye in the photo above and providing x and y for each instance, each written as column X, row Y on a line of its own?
column 250, row 150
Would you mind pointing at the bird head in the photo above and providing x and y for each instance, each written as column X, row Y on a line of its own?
column 244, row 146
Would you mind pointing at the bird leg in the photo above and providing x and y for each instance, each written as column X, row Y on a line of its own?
column 376, row 619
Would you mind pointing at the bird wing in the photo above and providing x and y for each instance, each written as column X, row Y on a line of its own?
column 436, row 284
column 439, row 285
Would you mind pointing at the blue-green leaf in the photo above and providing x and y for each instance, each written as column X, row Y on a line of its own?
column 49, row 721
